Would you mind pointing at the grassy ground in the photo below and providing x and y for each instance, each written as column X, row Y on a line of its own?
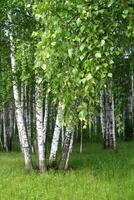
column 96, row 174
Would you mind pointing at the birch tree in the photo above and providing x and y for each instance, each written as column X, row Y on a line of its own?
column 67, row 147
column 107, row 119
column 56, row 135
column 18, row 108
column 45, row 121
column 39, row 126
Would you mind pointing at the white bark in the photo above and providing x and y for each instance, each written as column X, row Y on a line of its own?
column 103, row 114
column 113, row 123
column 51, row 118
column 56, row 135
column 62, row 135
column 67, row 147
column 11, row 124
column 18, row 109
column 108, row 118
column 45, row 116
column 70, row 151
column 111, row 120
column 39, row 126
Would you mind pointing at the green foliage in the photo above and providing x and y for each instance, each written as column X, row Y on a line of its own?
column 78, row 43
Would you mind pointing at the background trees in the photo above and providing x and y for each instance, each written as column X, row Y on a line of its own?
column 70, row 66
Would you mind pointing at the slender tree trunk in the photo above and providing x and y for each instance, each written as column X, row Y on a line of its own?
column 103, row 118
column 7, row 127
column 56, row 136
column 62, row 135
column 113, row 123
column 45, row 117
column 28, row 114
column 39, row 127
column 18, row 109
column 33, row 122
column 11, row 126
column 111, row 120
column 108, row 119
column 51, row 119
column 5, row 130
column 67, row 147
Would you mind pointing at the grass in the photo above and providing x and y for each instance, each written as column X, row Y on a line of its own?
column 96, row 174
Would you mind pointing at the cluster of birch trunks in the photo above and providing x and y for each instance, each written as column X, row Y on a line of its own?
column 32, row 118
column 38, row 123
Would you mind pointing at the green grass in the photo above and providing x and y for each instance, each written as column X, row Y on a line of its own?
column 96, row 174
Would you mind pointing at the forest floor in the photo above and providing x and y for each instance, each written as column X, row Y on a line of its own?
column 96, row 174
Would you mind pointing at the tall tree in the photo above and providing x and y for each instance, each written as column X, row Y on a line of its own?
column 18, row 109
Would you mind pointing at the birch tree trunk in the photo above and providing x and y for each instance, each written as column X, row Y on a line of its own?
column 107, row 119
column 103, row 118
column 56, row 135
column 67, row 147
column 111, row 120
column 39, row 127
column 11, row 125
column 45, row 117
column 18, row 109
column 62, row 135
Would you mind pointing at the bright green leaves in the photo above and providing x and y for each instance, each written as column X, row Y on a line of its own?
column 98, row 55
column 110, row 3
column 70, row 53
column 77, row 45
column 83, row 111
column 89, row 76
column 44, row 67
column 78, row 22
column 125, row 13
column 102, row 43
column 110, row 75
column 82, row 47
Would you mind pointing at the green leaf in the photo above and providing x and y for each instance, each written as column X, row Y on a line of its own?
column 102, row 42
column 110, row 75
column 44, row 67
column 70, row 52
column 98, row 55
column 110, row 3
column 82, row 47
column 89, row 76
column 82, row 57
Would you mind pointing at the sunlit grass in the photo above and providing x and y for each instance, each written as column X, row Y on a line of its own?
column 96, row 174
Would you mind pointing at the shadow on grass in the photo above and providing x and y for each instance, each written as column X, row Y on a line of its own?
column 104, row 162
